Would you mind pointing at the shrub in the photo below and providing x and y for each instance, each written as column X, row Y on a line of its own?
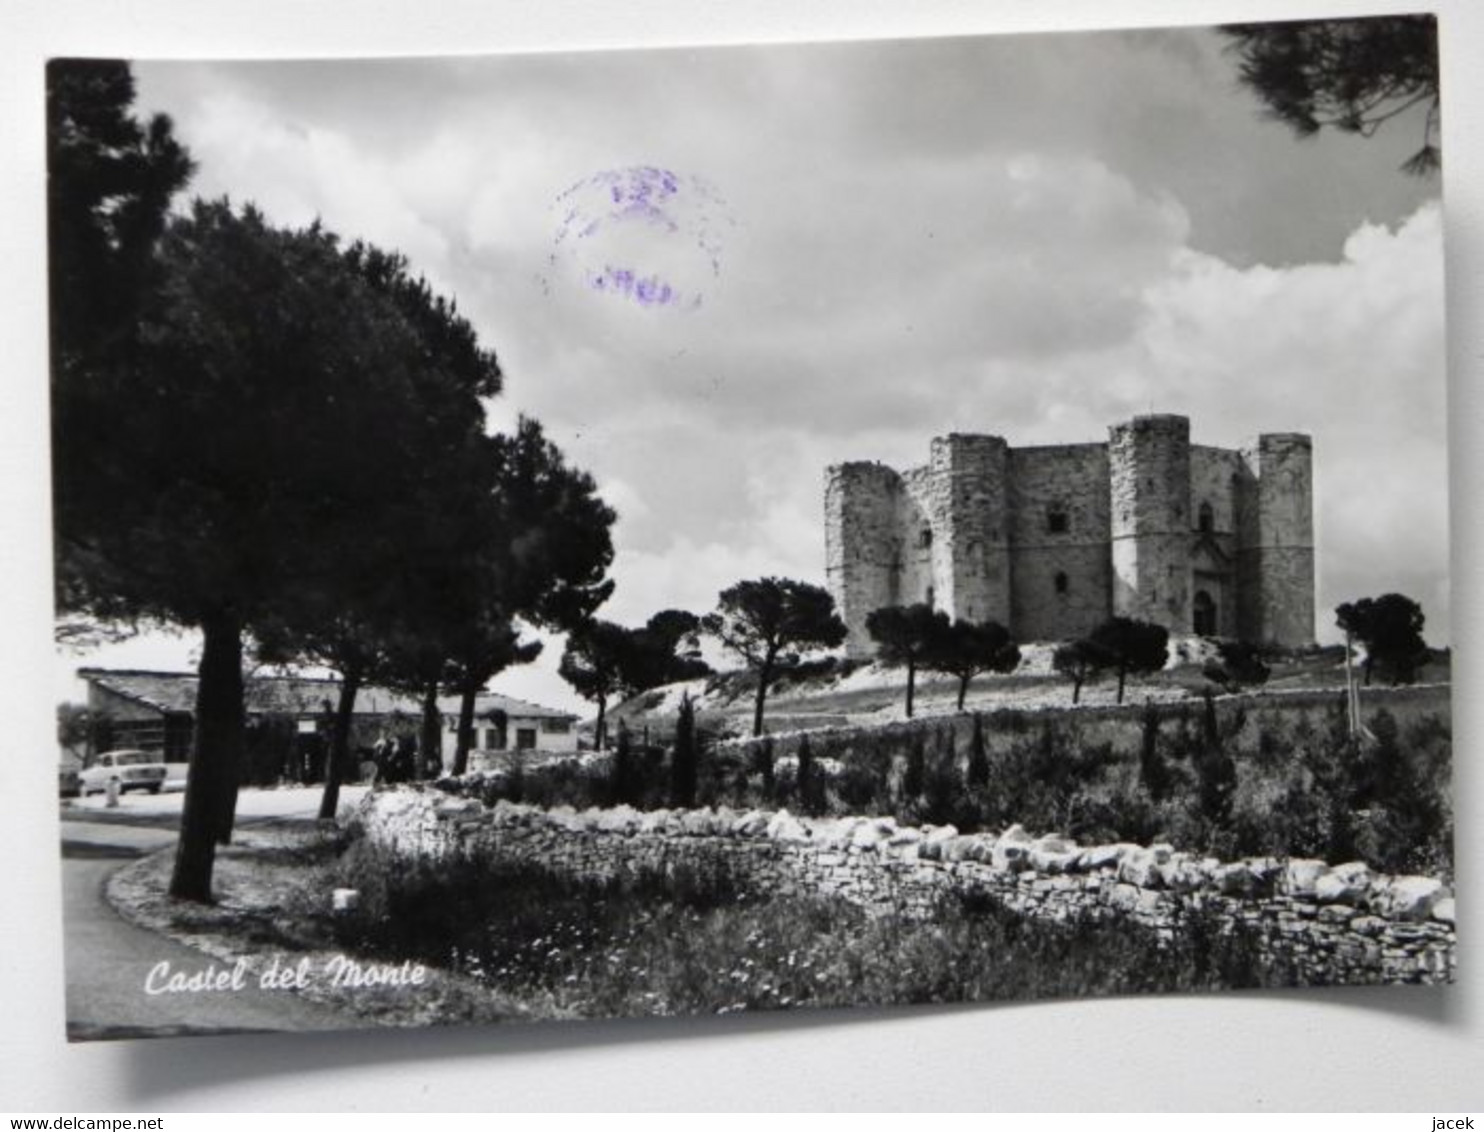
column 1214, row 776
column 809, row 781
column 1216, row 772
column 683, row 757
column 978, row 772
column 763, row 760
column 916, row 771
column 1154, row 773
column 943, row 795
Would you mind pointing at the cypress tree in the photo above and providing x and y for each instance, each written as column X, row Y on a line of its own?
column 978, row 775
column 683, row 757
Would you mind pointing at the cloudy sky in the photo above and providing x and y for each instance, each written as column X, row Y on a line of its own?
column 866, row 245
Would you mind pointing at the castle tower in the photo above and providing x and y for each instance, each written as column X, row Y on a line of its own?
column 1276, row 553
column 862, row 545
column 1149, row 473
column 970, row 527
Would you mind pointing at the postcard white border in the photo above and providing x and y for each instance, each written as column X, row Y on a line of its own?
column 1363, row 1048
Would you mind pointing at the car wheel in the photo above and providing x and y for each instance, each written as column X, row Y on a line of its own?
column 155, row 789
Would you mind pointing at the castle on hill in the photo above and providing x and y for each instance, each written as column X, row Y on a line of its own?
column 1051, row 540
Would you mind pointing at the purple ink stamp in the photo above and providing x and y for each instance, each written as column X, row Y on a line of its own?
column 643, row 234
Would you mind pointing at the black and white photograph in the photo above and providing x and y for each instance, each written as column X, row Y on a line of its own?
column 691, row 531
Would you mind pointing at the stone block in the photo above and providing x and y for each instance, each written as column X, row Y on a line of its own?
column 869, row 834
column 1349, row 883
column 1300, row 875
column 1408, row 897
column 1051, row 861
column 1103, row 856
column 1010, row 856
column 754, row 823
column 1234, row 879
column 785, row 827
column 1052, row 843
column 1141, row 868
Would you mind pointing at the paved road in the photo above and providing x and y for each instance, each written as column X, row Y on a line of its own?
column 109, row 959
column 288, row 802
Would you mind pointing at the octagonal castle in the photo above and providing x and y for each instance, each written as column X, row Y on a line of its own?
column 1051, row 540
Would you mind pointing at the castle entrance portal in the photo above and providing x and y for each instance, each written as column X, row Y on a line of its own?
column 1204, row 614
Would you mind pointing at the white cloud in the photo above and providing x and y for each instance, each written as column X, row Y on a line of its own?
column 951, row 235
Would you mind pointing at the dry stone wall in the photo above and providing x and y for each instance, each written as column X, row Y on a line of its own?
column 1340, row 924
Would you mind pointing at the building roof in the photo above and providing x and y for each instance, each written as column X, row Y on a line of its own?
column 173, row 693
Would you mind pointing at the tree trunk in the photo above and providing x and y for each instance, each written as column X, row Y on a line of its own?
column 1077, row 689
column 430, row 736
column 764, row 674
column 215, row 759
column 466, row 729
column 231, row 780
column 339, row 757
column 911, row 686
column 601, row 730
column 1121, row 674
column 963, row 689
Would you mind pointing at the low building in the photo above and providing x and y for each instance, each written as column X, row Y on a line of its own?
column 289, row 717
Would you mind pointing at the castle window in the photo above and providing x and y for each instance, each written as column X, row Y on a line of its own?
column 929, row 598
column 1062, row 582
column 1056, row 519
column 925, row 538
column 1207, row 520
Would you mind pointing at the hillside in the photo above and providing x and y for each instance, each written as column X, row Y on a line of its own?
column 834, row 692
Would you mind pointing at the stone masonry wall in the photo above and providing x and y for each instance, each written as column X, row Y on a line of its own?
column 862, row 544
column 1149, row 467
column 1340, row 924
column 1283, row 569
column 1073, row 479
column 971, row 562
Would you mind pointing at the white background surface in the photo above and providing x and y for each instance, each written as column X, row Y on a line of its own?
column 1411, row 1048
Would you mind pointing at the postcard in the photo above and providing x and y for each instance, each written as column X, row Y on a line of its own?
column 726, row 529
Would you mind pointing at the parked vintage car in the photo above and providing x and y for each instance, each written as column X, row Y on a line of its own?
column 131, row 769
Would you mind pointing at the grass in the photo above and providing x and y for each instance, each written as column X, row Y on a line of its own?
column 679, row 944
column 272, row 887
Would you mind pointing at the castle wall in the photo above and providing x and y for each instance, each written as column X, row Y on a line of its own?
column 1215, row 476
column 1072, row 480
column 1149, row 472
column 917, row 584
column 972, row 533
column 1279, row 564
column 862, row 545
column 967, row 507
column 1211, row 472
